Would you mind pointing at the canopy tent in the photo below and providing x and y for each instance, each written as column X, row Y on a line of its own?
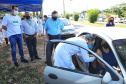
column 24, row 5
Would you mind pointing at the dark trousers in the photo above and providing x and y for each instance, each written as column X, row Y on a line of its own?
column 49, row 48
column 6, row 39
column 31, row 44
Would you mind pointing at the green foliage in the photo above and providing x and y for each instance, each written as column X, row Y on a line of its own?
column 118, row 9
column 21, row 15
column 67, row 15
column 83, row 11
column 108, row 15
column 92, row 15
column 76, row 16
column 3, row 55
column 21, row 75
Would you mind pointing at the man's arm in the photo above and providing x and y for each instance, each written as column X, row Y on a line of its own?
column 3, row 27
column 86, row 57
column 4, row 23
column 100, row 54
column 36, row 29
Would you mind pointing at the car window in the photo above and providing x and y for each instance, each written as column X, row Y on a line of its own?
column 108, row 68
column 120, row 46
column 66, row 22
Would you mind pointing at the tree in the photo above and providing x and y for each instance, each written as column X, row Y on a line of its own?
column 83, row 11
column 124, row 10
column 92, row 15
column 67, row 15
column 76, row 16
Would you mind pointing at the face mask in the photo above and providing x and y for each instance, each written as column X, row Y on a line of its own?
column 27, row 17
column 54, row 18
column 90, row 46
column 15, row 12
column 110, row 20
column 105, row 46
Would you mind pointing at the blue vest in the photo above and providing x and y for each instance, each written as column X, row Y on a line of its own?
column 109, row 58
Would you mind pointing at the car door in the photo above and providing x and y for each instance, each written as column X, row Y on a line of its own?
column 58, row 75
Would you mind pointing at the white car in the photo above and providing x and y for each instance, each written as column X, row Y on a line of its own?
column 124, row 21
column 119, row 20
column 116, row 20
column 69, row 29
column 117, row 43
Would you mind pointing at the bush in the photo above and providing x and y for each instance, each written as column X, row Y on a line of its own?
column 76, row 16
column 67, row 15
column 92, row 15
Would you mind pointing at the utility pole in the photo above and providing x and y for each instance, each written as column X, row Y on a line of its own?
column 63, row 7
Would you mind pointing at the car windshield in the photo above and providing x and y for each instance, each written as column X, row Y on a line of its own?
column 120, row 46
column 66, row 22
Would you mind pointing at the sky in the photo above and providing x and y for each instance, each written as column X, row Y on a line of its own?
column 77, row 5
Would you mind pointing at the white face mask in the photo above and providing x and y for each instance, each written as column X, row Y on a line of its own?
column 15, row 12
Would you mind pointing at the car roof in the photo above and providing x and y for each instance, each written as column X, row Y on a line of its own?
column 112, row 33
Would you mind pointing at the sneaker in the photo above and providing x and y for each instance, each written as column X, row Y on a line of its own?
column 16, row 64
column 37, row 57
column 25, row 61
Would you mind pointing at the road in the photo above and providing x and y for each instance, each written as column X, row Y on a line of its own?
column 114, row 23
column 79, row 26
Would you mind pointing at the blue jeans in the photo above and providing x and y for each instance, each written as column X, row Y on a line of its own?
column 32, row 46
column 13, row 40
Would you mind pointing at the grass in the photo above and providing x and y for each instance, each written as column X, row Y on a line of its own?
column 3, row 55
column 96, row 24
column 21, row 75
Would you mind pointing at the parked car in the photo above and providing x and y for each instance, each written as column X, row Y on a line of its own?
column 101, row 19
column 116, row 20
column 124, row 21
column 71, row 18
column 119, row 20
column 117, row 43
column 69, row 29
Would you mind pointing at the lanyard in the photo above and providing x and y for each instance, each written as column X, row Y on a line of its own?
column 29, row 22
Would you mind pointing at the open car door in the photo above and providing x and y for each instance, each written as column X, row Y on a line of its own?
column 58, row 75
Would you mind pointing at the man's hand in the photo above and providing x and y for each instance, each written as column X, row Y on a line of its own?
column 92, row 56
column 35, row 35
column 4, row 27
column 26, row 36
column 1, row 30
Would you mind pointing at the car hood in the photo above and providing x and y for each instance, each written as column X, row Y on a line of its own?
column 69, row 27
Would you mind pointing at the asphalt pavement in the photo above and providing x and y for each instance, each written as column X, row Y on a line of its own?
column 79, row 26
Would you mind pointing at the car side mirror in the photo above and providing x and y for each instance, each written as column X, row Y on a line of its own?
column 107, row 78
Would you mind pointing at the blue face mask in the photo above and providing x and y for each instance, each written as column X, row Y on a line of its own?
column 90, row 46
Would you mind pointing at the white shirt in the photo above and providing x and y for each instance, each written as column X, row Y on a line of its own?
column 1, row 39
column 63, row 53
column 29, row 27
column 4, row 32
column 40, row 26
column 35, row 19
column 13, row 24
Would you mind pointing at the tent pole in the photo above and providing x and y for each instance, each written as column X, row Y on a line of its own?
column 43, row 29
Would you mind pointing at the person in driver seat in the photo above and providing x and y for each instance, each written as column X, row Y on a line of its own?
column 64, row 52
column 106, row 53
